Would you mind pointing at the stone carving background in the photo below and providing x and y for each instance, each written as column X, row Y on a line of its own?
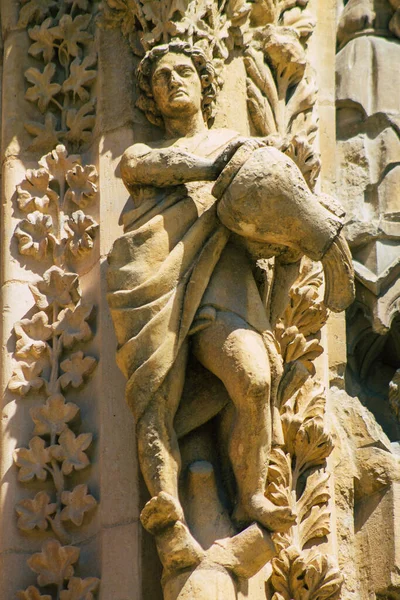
column 26, row 126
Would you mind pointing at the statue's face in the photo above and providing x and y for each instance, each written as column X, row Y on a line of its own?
column 176, row 85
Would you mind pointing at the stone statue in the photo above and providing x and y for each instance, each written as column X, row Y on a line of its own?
column 207, row 205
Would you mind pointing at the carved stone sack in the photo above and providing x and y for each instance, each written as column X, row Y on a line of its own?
column 268, row 200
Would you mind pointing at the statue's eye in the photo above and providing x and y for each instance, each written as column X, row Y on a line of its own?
column 185, row 71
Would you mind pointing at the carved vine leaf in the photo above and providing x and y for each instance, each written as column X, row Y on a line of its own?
column 42, row 91
column 32, row 462
column 33, row 235
column 72, row 34
column 72, row 326
column 81, row 230
column 70, row 451
column 32, row 335
column 44, row 40
column 32, row 593
column 34, row 513
column 216, row 27
column 80, row 589
column 57, row 288
column 80, row 77
column 52, row 417
column 58, row 162
column 25, row 377
column 34, row 10
column 63, row 42
column 76, row 368
column 80, row 124
column 46, row 134
column 54, row 564
column 82, row 183
column 77, row 503
column 34, row 192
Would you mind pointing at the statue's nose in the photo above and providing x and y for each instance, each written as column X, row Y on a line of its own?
column 175, row 80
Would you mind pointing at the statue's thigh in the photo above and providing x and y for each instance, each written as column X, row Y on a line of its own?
column 235, row 352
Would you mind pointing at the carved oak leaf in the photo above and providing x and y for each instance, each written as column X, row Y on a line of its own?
column 312, row 446
column 34, row 10
column 82, row 185
column 58, row 162
column 288, row 574
column 69, row 451
column 75, row 369
column 46, row 134
column 34, row 513
column 26, row 377
column 32, row 335
column 52, row 417
column 80, row 124
column 286, row 54
column 33, row 235
column 72, row 325
column 43, row 40
column 42, row 90
column 32, row 593
column 80, row 77
column 77, row 503
column 57, row 288
column 80, row 589
column 302, row 20
column 34, row 191
column 323, row 580
column 81, row 230
column 315, row 525
column 303, row 98
column 54, row 563
column 32, row 462
column 71, row 32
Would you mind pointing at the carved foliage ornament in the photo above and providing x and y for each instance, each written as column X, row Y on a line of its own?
column 272, row 36
column 297, row 475
column 50, row 363
column 60, row 83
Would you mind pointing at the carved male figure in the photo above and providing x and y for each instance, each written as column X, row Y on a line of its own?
column 181, row 280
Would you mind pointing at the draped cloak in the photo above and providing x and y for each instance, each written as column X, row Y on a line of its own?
column 159, row 271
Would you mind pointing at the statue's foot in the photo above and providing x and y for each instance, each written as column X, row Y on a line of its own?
column 260, row 509
column 160, row 512
column 339, row 275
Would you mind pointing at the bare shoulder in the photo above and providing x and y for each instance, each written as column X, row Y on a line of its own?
column 135, row 151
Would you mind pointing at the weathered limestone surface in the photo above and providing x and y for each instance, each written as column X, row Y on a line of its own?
column 173, row 204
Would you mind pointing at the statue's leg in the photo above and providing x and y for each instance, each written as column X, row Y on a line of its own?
column 157, row 442
column 236, row 354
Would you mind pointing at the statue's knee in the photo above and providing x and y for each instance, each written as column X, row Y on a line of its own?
column 255, row 386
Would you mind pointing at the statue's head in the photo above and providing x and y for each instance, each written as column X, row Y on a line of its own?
column 175, row 78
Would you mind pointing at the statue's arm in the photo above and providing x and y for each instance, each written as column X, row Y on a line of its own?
column 142, row 165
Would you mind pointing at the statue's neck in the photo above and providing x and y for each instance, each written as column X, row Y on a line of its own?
column 184, row 125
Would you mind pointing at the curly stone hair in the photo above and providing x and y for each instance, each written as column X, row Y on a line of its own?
column 203, row 67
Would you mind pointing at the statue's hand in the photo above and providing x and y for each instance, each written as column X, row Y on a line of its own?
column 230, row 150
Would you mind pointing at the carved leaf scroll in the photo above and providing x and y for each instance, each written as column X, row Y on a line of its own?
column 47, row 361
column 297, row 475
column 61, row 85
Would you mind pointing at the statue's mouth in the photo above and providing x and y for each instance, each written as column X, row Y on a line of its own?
column 176, row 93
